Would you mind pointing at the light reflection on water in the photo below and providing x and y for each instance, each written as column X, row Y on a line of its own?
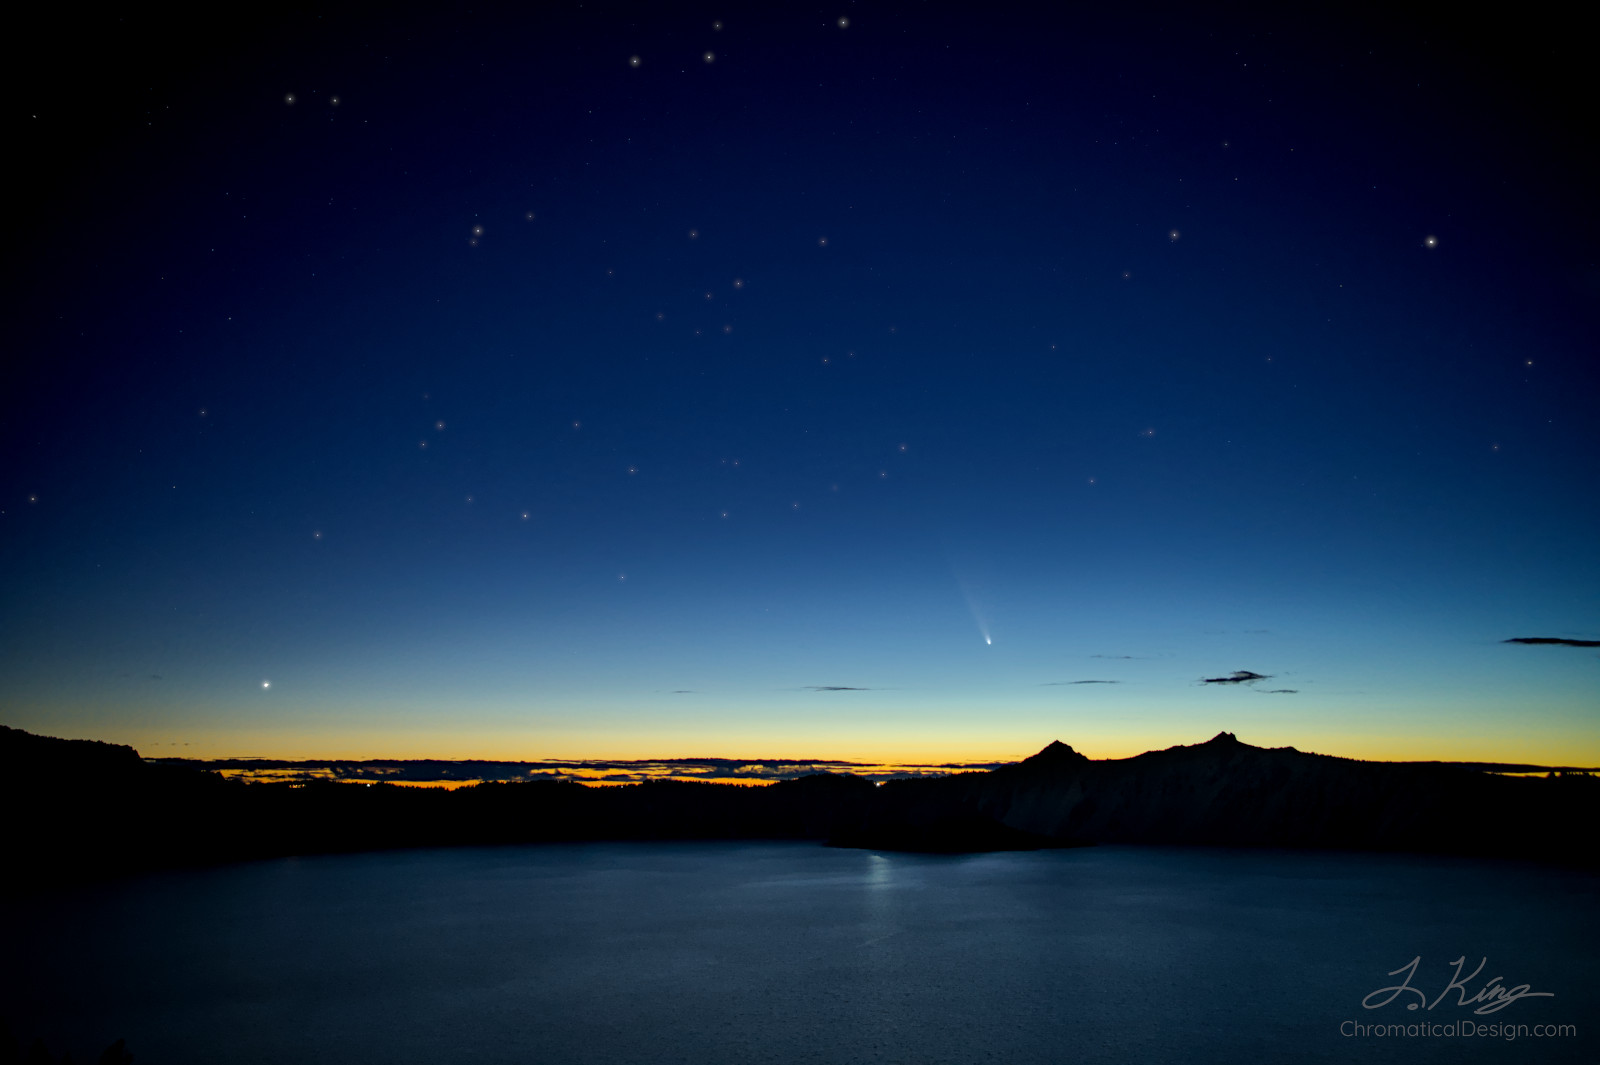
column 792, row 952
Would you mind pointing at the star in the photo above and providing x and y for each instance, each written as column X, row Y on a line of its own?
column 265, row 685
column 738, row 282
column 694, row 234
column 1430, row 241
column 844, row 23
column 1173, row 235
column 710, row 57
column 288, row 98
column 333, row 101
column 634, row 61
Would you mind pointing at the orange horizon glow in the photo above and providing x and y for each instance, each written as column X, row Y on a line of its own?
column 1543, row 750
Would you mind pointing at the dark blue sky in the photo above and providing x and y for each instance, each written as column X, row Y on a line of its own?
column 428, row 383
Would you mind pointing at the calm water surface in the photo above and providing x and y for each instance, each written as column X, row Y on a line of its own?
column 797, row 953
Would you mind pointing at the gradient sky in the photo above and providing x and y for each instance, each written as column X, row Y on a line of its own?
column 486, row 394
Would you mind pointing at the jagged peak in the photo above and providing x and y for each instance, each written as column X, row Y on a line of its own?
column 1223, row 737
column 1056, row 752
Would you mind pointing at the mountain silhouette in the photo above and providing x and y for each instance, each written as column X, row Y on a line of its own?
column 86, row 810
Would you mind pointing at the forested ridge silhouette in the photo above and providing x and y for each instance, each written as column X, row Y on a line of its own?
column 87, row 810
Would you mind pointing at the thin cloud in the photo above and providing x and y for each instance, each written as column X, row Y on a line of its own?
column 683, row 691
column 834, row 688
column 1239, row 676
column 1128, row 658
column 1279, row 691
column 1069, row 683
column 1558, row 641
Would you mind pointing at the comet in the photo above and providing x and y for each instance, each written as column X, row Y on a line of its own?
column 979, row 614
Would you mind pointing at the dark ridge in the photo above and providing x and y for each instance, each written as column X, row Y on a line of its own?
column 83, row 810
column 1055, row 753
column 1507, row 767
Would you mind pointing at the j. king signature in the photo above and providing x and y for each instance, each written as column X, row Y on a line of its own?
column 1492, row 996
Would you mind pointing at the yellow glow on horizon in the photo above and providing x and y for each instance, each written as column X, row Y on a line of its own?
column 894, row 742
column 874, row 751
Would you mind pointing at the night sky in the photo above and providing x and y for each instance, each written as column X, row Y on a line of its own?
column 877, row 381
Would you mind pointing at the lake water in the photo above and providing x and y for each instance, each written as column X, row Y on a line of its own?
column 790, row 952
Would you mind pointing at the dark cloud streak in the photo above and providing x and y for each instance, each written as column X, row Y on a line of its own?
column 1558, row 641
column 1239, row 676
